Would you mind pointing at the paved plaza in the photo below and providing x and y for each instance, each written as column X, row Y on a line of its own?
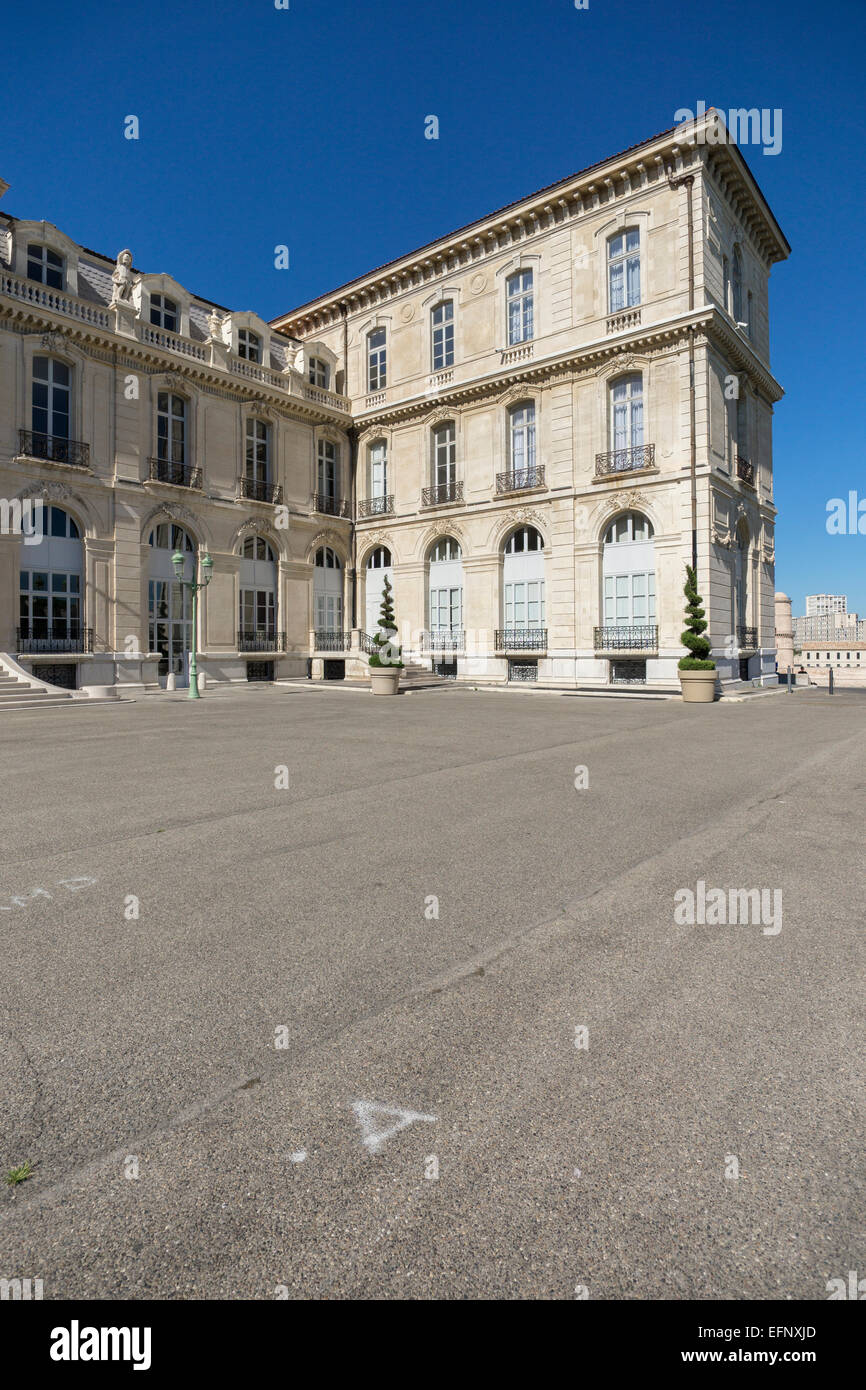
column 309, row 994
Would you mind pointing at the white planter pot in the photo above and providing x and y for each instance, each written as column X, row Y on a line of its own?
column 698, row 687
column 384, row 680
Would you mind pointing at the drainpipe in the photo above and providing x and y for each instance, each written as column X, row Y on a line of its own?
column 688, row 182
column 352, row 435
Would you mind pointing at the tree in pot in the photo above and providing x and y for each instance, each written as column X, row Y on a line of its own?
column 697, row 671
column 385, row 662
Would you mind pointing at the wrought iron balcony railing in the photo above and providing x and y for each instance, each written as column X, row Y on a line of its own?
column 332, row 641
column 520, row 478
column 331, row 506
column 33, row 445
column 376, row 506
column 442, row 641
column 48, row 637
column 747, row 636
column 177, row 474
column 625, row 460
column 520, row 639
column 258, row 491
column 266, row 640
column 442, row 493
column 644, row 638
column 745, row 471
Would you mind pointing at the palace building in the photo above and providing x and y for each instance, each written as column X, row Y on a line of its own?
column 529, row 425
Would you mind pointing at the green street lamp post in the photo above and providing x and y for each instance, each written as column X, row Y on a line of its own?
column 178, row 560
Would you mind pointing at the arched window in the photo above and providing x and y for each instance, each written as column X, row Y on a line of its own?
column 328, row 591
column 45, row 265
column 51, row 588
column 445, row 584
column 257, row 548
column 525, row 538
column 737, row 286
column 523, row 608
column 257, row 596
column 519, row 305
column 169, row 603
column 378, row 569
column 628, row 569
column 442, row 322
column 377, row 360
column 249, row 345
column 628, row 528
column 626, row 412
column 623, row 270
column 521, row 421
column 327, row 559
column 446, row 548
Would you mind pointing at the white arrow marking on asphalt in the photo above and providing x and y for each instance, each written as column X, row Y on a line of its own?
column 375, row 1138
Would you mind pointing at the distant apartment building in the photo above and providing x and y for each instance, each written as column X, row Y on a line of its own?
column 818, row 604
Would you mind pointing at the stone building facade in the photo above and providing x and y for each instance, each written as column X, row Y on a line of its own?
column 529, row 425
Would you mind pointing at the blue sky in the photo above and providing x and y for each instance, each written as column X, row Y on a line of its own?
column 305, row 126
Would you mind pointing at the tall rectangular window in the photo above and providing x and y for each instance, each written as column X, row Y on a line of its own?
column 50, row 400
column 445, row 454
column 328, row 472
column 522, row 420
column 258, row 450
column 377, row 364
column 627, row 412
column 170, row 427
column 623, row 270
column 443, row 335
column 379, row 469
column 519, row 304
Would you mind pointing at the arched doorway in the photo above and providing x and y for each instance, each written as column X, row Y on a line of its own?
column 257, row 596
column 377, row 570
column 328, row 591
column 523, row 598
column 629, row 596
column 169, row 605
column 445, row 588
column 51, row 588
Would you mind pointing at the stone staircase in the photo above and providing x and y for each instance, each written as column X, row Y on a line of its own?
column 414, row 677
column 20, row 690
column 16, row 692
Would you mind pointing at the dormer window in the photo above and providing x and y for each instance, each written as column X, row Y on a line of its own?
column 44, row 265
column 249, row 345
column 320, row 374
column 163, row 312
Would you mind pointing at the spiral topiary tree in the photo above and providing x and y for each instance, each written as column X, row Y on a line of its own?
column 699, row 646
column 387, row 652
